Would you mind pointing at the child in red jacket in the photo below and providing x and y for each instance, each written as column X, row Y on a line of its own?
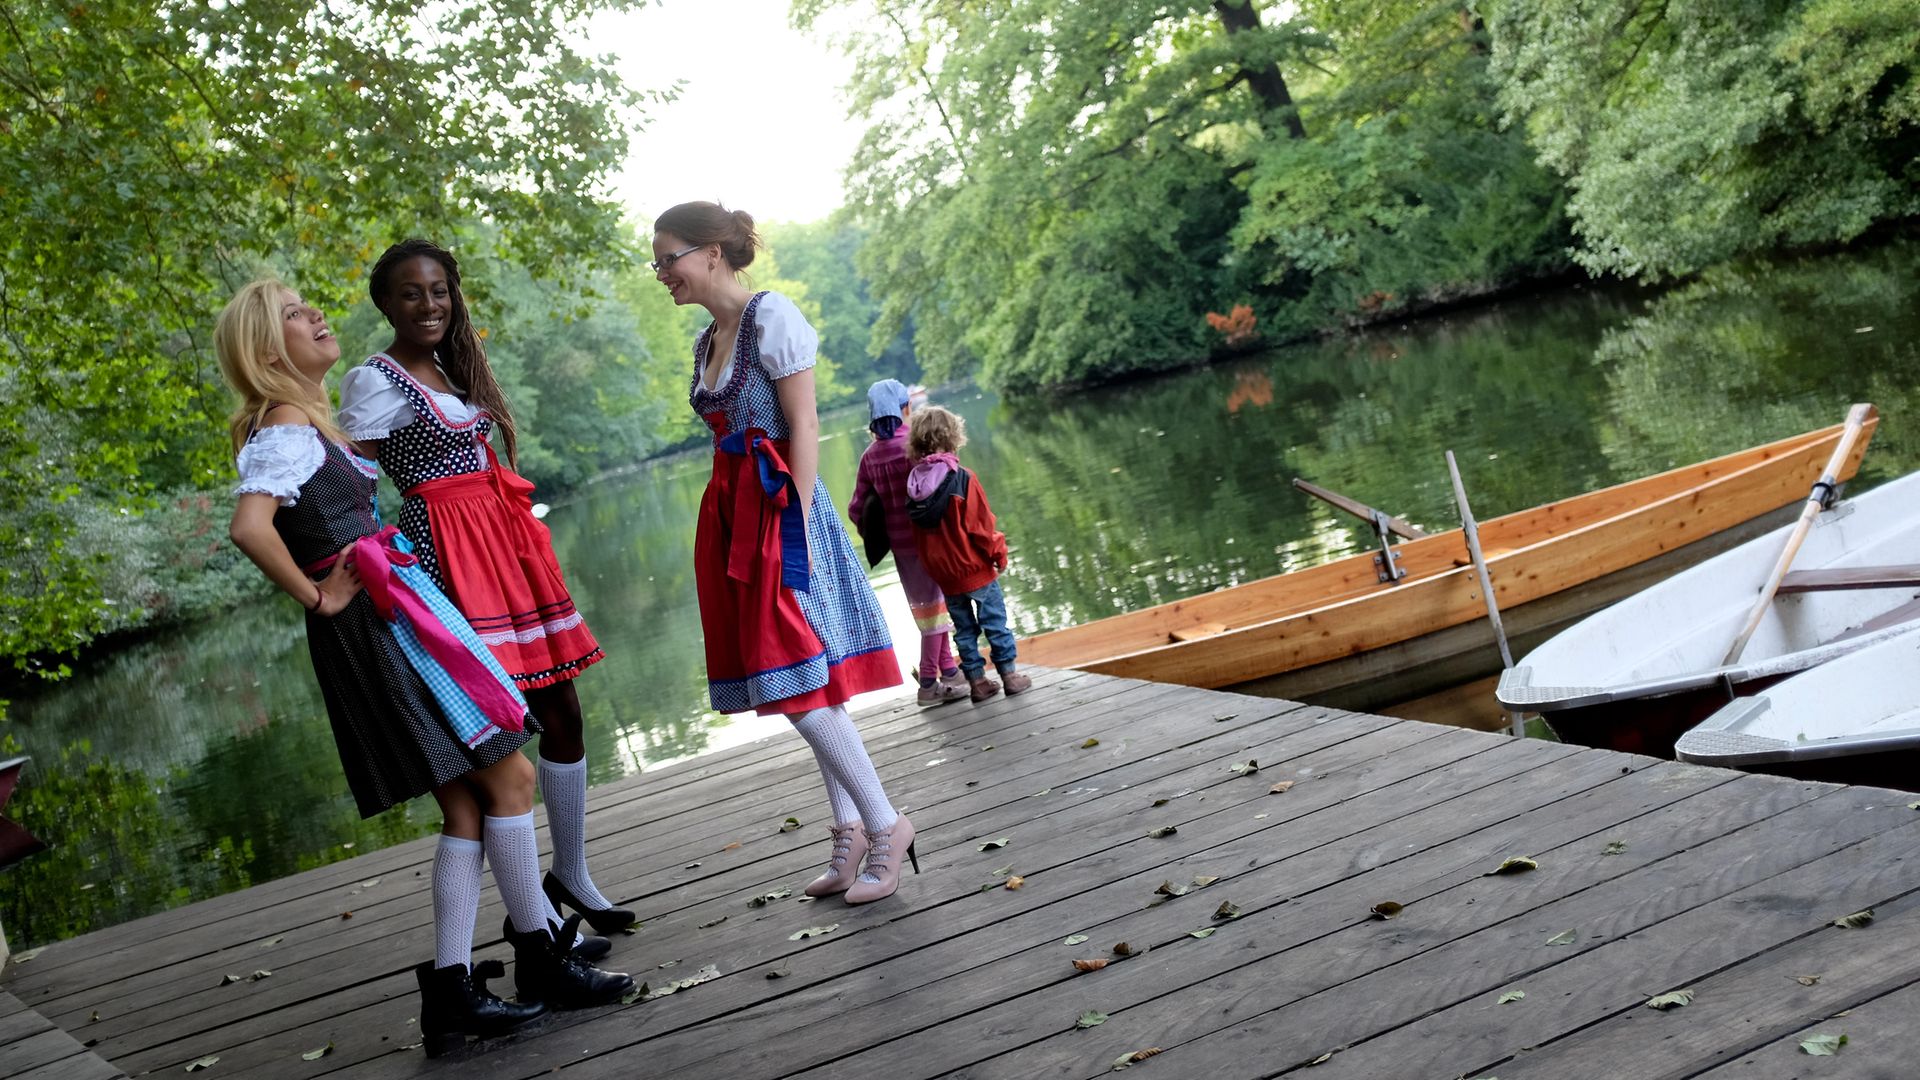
column 960, row 547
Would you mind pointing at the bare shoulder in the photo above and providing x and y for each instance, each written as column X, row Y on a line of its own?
column 283, row 415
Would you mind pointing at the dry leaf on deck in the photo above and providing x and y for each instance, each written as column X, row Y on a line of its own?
column 1280, row 788
column 1091, row 965
column 1163, row 831
column 1090, row 744
column 790, row 824
column 776, row 973
column 1515, row 865
column 767, row 898
column 1386, row 909
column 731, row 847
column 714, row 923
column 258, row 975
column 1511, row 995
column 1168, row 888
column 1016, row 881
column 1823, row 1045
column 1090, row 1018
column 1205, row 932
column 1204, row 880
column 813, row 931
column 1670, row 1001
column 316, row 1055
column 1806, row 980
column 1615, row 847
column 1854, row 921
column 229, row 979
column 1123, row 949
column 1127, row 1060
column 1075, row 939
column 1245, row 768
column 990, row 845
column 210, row 1060
column 1564, row 937
column 1227, row 910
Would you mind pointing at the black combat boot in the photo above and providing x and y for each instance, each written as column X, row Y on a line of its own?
column 455, row 1003
column 589, row 948
column 546, row 969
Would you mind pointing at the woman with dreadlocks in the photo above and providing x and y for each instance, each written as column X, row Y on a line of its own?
column 426, row 407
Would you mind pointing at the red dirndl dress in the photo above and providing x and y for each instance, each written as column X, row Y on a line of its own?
column 791, row 623
column 471, row 522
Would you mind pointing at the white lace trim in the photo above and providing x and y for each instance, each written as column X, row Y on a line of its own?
column 501, row 637
column 277, row 460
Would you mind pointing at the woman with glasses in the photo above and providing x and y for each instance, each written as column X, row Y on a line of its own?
column 429, row 408
column 791, row 624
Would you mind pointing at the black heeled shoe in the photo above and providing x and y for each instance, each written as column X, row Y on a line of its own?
column 455, row 1003
column 545, row 969
column 589, row 948
column 603, row 920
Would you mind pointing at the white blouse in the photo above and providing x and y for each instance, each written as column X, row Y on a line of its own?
column 371, row 407
column 278, row 459
column 788, row 344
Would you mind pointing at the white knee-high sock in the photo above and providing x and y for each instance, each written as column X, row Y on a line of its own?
column 564, row 789
column 515, row 856
column 843, row 758
column 456, row 900
column 845, row 810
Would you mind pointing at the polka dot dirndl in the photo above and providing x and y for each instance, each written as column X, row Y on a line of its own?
column 394, row 743
column 773, row 647
column 471, row 523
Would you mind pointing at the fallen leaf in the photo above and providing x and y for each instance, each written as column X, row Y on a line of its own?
column 778, row 974
column 790, row 824
column 1670, row 1001
column 1205, row 932
column 271, row 942
column 1615, row 847
column 989, row 746
column 95, row 1018
column 1003, row 871
column 23, row 957
column 1564, row 937
column 1090, row 1018
column 714, row 923
column 1123, row 949
column 1225, row 718
column 731, row 847
column 1823, row 1045
column 935, row 761
column 1259, row 817
column 346, row 915
column 1161, row 802
column 767, row 898
column 1075, row 939
column 258, row 975
column 690, row 866
column 813, row 931
column 1512, row 995
column 1806, row 980
column 226, row 980
column 369, row 883
column 638, row 993
column 1035, row 795
column 1168, row 888
column 1386, row 909
column 209, row 1061
column 1854, row 921
column 1163, row 831
column 1016, row 881
column 1515, row 865
column 1245, row 768
column 1091, row 965
column 316, row 1055
column 1322, row 1059
column 1280, row 788
column 992, row 845
column 1090, row 744
column 1204, row 880
column 1227, row 910
column 1125, row 1061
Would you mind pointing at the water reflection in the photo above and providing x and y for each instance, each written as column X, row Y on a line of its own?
column 201, row 762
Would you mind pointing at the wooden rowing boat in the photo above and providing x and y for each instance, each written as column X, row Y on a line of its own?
column 1337, row 634
column 1639, row 674
column 1853, row 720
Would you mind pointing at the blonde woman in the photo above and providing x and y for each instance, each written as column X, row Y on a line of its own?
column 375, row 623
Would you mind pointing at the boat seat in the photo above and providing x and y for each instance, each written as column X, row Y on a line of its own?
column 1850, row 577
column 1906, row 612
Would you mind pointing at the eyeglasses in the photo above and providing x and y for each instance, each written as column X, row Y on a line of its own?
column 668, row 260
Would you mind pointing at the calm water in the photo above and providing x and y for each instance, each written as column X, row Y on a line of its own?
column 202, row 761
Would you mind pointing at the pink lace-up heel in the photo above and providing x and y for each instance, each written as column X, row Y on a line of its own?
column 882, row 875
column 849, row 847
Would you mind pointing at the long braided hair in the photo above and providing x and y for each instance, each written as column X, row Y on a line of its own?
column 461, row 354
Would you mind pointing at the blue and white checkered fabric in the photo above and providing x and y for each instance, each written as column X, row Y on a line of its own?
column 470, row 725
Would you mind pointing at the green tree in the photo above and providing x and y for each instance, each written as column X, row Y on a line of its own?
column 1692, row 131
column 155, row 155
column 822, row 254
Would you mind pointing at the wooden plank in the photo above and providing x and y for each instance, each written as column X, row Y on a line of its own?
column 1297, row 1000
column 78, row 1067
column 1077, row 832
column 1398, row 526
column 1454, row 1024
column 1879, row 1045
column 266, row 996
column 36, row 1051
column 1849, row 577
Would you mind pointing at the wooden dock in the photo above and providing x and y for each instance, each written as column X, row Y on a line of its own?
column 1651, row 877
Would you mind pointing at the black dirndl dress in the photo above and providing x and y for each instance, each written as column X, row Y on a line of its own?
column 394, row 744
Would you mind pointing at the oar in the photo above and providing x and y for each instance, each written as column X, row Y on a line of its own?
column 1857, row 418
column 1472, row 533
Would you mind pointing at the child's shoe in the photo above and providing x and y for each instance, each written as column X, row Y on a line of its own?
column 1015, row 683
column 939, row 693
column 984, row 688
column 956, row 678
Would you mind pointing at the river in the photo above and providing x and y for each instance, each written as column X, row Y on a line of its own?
column 200, row 761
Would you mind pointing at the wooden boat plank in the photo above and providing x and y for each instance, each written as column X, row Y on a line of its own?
column 1849, row 577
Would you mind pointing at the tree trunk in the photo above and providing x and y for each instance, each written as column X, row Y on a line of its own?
column 1238, row 16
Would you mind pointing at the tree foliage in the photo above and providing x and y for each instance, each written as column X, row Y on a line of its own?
column 1692, row 131
column 153, row 156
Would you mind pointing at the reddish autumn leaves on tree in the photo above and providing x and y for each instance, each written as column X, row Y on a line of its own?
column 1236, row 326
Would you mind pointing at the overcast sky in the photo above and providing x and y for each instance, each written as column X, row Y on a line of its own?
column 761, row 121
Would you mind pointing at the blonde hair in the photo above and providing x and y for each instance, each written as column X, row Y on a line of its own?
column 248, row 338
column 933, row 430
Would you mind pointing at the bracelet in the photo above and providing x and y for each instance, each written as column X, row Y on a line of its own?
column 318, row 599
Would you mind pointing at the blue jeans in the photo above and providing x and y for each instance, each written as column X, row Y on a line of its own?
column 982, row 609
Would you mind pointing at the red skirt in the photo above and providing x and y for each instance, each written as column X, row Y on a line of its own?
column 751, row 550
column 498, row 564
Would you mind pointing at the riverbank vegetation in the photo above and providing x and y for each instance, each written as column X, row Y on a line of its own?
column 1050, row 193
